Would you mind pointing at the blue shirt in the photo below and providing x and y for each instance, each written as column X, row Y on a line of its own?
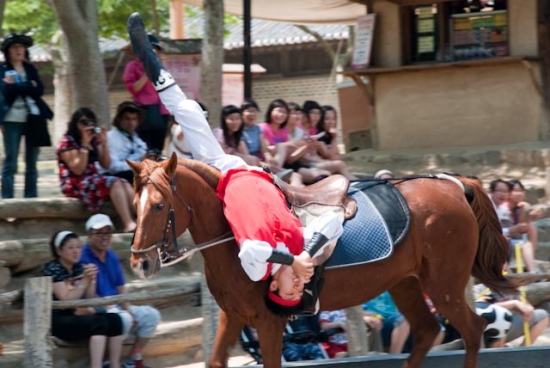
column 251, row 136
column 383, row 305
column 110, row 275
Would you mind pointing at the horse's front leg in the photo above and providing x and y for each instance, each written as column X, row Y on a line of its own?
column 270, row 335
column 229, row 329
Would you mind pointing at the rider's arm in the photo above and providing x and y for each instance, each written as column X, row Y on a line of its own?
column 255, row 255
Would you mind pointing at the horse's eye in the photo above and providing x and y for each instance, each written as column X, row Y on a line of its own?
column 159, row 206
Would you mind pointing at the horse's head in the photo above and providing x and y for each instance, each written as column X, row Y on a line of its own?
column 157, row 204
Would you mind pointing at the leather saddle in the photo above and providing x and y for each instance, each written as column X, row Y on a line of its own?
column 330, row 194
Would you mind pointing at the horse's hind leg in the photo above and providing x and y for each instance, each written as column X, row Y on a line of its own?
column 270, row 330
column 450, row 301
column 229, row 329
column 409, row 299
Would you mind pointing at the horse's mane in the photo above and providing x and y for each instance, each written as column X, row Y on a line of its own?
column 209, row 174
column 152, row 172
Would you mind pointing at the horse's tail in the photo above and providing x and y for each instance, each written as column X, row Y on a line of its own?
column 493, row 248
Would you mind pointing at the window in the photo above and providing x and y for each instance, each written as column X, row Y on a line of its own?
column 455, row 31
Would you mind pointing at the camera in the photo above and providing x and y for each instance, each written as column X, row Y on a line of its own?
column 97, row 130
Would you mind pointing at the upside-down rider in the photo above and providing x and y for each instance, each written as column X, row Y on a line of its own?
column 273, row 244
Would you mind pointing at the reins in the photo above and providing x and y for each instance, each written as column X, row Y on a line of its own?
column 168, row 258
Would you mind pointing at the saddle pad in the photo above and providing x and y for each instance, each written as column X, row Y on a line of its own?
column 381, row 222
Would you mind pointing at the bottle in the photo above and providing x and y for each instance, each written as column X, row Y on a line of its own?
column 138, row 359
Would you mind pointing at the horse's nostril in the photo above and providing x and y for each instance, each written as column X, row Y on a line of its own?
column 145, row 265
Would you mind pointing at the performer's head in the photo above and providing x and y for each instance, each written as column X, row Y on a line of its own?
column 284, row 296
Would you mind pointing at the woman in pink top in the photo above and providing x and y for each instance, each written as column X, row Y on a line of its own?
column 153, row 128
column 274, row 128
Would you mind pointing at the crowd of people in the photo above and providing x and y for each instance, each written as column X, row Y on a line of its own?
column 297, row 142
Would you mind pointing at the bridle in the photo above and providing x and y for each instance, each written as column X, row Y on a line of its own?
column 176, row 255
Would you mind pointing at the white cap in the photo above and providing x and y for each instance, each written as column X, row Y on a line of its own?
column 382, row 172
column 99, row 221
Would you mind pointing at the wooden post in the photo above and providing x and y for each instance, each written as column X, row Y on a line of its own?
column 356, row 330
column 543, row 25
column 37, row 325
column 210, row 318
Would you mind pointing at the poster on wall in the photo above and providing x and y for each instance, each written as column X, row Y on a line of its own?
column 362, row 48
column 186, row 71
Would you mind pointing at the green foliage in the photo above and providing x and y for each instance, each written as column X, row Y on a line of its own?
column 36, row 17
column 195, row 30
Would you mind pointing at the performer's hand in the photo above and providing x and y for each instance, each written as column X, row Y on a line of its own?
column 302, row 266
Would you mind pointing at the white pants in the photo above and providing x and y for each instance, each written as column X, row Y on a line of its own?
column 202, row 143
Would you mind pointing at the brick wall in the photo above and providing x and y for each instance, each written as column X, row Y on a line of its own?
column 296, row 89
column 265, row 90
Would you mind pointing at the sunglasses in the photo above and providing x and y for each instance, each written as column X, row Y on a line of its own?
column 87, row 122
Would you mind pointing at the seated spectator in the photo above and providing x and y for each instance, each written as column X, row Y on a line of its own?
column 274, row 157
column 313, row 113
column 383, row 174
column 307, row 349
column 304, row 153
column 520, row 213
column 230, row 135
column 327, row 125
column 523, row 312
column 395, row 328
column 73, row 280
column 124, row 143
column 337, row 343
column 139, row 320
column 79, row 150
column 514, row 227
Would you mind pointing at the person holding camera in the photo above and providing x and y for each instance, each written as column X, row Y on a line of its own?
column 80, row 149
column 21, row 97
column 124, row 142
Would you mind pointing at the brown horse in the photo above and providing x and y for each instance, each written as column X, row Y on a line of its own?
column 450, row 237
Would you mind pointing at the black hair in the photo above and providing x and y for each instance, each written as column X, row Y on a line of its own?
column 324, row 109
column 64, row 241
column 515, row 182
column 272, row 106
column 294, row 107
column 249, row 104
column 231, row 140
column 72, row 128
column 494, row 183
column 311, row 105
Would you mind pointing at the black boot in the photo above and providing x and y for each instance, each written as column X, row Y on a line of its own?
column 310, row 299
column 142, row 48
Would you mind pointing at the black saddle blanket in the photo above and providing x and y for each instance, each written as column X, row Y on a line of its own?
column 381, row 222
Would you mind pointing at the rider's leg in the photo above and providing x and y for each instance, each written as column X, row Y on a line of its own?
column 189, row 115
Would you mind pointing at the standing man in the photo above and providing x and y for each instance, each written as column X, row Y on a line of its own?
column 153, row 128
column 139, row 320
column 124, row 143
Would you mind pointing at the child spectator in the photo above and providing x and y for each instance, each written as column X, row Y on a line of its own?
column 304, row 350
column 337, row 343
column 395, row 328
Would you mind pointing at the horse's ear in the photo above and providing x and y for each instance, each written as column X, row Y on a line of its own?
column 135, row 166
column 172, row 164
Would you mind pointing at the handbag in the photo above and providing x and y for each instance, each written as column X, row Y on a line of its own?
column 36, row 131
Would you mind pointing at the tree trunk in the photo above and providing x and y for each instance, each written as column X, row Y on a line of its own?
column 78, row 21
column 543, row 21
column 212, row 60
column 64, row 98
column 356, row 330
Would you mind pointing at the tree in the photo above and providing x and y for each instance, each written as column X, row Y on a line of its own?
column 79, row 72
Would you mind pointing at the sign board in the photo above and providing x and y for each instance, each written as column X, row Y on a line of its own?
column 186, row 70
column 232, row 89
column 364, row 31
